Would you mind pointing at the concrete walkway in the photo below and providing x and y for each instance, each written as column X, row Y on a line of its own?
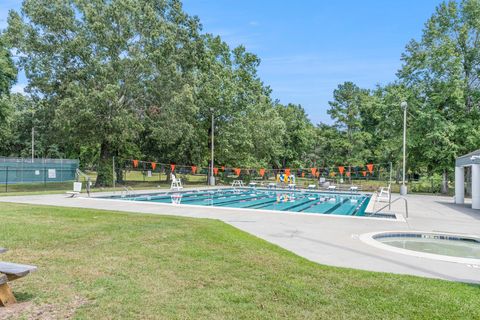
column 326, row 239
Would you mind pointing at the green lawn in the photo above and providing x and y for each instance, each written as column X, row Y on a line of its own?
column 110, row 265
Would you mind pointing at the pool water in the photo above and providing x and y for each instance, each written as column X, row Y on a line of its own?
column 265, row 199
column 442, row 245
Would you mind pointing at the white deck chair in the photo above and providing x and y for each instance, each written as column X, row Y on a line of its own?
column 272, row 185
column 384, row 194
column 354, row 188
column 176, row 183
column 77, row 188
column 238, row 183
column 331, row 188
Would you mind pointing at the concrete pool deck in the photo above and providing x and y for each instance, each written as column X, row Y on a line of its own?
column 326, row 239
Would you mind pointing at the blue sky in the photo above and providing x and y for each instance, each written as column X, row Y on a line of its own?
column 308, row 47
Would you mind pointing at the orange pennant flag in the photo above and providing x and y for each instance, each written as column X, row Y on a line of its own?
column 223, row 168
column 348, row 173
column 317, row 174
column 154, row 165
column 172, row 167
column 135, row 163
column 262, row 172
column 287, row 172
column 341, row 169
column 237, row 171
column 364, row 173
column 332, row 173
column 314, row 171
column 215, row 171
column 194, row 169
column 370, row 167
column 303, row 174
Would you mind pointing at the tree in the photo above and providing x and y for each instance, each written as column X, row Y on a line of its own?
column 99, row 65
column 298, row 138
column 444, row 67
column 345, row 110
column 8, row 76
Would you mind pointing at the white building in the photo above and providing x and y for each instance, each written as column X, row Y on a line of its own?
column 469, row 160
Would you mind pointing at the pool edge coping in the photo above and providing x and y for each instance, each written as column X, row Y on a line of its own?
column 368, row 238
column 222, row 209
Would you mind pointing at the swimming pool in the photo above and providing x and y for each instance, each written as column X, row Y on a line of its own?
column 264, row 199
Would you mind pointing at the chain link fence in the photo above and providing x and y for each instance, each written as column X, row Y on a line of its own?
column 24, row 174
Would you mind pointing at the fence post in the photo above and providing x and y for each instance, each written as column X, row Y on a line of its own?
column 113, row 173
column 6, row 180
column 45, row 177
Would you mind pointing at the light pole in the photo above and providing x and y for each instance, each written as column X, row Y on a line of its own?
column 212, row 178
column 33, row 134
column 403, row 187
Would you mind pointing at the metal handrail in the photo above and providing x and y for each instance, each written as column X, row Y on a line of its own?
column 87, row 177
column 389, row 204
column 129, row 192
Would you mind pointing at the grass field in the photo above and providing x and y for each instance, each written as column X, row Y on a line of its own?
column 110, row 265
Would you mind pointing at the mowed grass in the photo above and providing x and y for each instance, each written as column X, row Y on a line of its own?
column 111, row 265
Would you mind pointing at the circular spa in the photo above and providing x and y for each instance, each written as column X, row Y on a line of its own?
column 439, row 246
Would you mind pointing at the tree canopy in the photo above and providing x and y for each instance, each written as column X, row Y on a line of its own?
column 140, row 79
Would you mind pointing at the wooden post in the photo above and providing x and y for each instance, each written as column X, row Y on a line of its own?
column 6, row 294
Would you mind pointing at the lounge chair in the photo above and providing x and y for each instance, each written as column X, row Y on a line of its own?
column 238, row 183
column 331, row 188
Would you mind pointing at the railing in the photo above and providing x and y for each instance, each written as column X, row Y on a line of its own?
column 79, row 174
column 127, row 192
column 390, row 203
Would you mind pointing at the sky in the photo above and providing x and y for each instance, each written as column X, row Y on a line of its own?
column 308, row 48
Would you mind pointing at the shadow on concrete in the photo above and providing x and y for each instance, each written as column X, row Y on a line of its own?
column 465, row 208
column 430, row 272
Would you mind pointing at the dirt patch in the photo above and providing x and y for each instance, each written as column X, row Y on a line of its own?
column 32, row 311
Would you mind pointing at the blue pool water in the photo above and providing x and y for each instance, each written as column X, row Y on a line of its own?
column 264, row 199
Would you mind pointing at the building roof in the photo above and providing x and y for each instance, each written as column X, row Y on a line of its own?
column 468, row 159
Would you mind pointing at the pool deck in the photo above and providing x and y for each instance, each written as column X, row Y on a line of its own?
column 326, row 239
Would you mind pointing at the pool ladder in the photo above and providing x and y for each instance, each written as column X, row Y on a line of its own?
column 390, row 204
column 127, row 192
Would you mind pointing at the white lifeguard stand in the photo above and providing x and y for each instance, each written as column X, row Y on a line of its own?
column 176, row 183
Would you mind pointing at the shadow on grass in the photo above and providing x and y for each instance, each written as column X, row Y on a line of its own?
column 23, row 296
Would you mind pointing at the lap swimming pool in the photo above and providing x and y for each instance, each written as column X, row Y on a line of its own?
column 264, row 199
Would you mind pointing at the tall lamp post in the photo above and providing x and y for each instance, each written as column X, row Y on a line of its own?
column 33, row 134
column 403, row 187
column 212, row 178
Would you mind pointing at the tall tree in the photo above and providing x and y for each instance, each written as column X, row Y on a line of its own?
column 345, row 110
column 444, row 67
column 99, row 65
column 298, row 139
column 8, row 76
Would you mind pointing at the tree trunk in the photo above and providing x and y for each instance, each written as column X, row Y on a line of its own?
column 444, row 189
column 104, row 169
column 119, row 172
